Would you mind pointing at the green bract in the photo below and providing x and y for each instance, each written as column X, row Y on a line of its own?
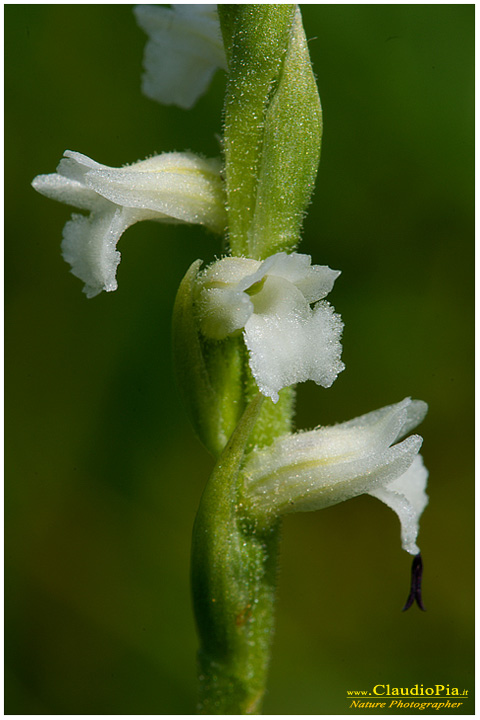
column 209, row 373
column 273, row 127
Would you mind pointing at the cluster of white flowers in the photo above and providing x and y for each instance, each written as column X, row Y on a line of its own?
column 292, row 333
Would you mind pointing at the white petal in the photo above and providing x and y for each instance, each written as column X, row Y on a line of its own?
column 89, row 246
column 257, row 273
column 275, row 296
column 315, row 282
column 176, row 185
column 288, row 341
column 288, row 345
column 407, row 497
column 229, row 271
column 366, row 436
column 222, row 311
column 222, row 308
column 388, row 424
column 416, row 412
column 185, row 48
column 66, row 190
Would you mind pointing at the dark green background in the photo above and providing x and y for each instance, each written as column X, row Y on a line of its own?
column 104, row 473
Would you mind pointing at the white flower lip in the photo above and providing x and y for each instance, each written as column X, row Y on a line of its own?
column 184, row 50
column 173, row 187
column 288, row 341
column 312, row 470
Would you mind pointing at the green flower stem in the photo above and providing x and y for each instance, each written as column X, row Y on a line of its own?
column 274, row 419
column 234, row 569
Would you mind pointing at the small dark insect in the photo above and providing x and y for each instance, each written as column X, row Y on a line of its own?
column 415, row 584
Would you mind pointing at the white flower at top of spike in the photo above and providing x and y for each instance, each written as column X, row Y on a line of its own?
column 173, row 187
column 288, row 340
column 323, row 467
column 184, row 50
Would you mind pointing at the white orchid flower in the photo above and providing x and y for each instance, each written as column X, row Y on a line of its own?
column 288, row 340
column 184, row 49
column 173, row 187
column 323, row 467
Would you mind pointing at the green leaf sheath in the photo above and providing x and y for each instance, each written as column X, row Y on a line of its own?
column 273, row 127
column 233, row 584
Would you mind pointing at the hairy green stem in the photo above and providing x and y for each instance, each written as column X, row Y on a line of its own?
column 234, row 569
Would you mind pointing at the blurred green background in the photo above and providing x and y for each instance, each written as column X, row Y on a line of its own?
column 104, row 473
